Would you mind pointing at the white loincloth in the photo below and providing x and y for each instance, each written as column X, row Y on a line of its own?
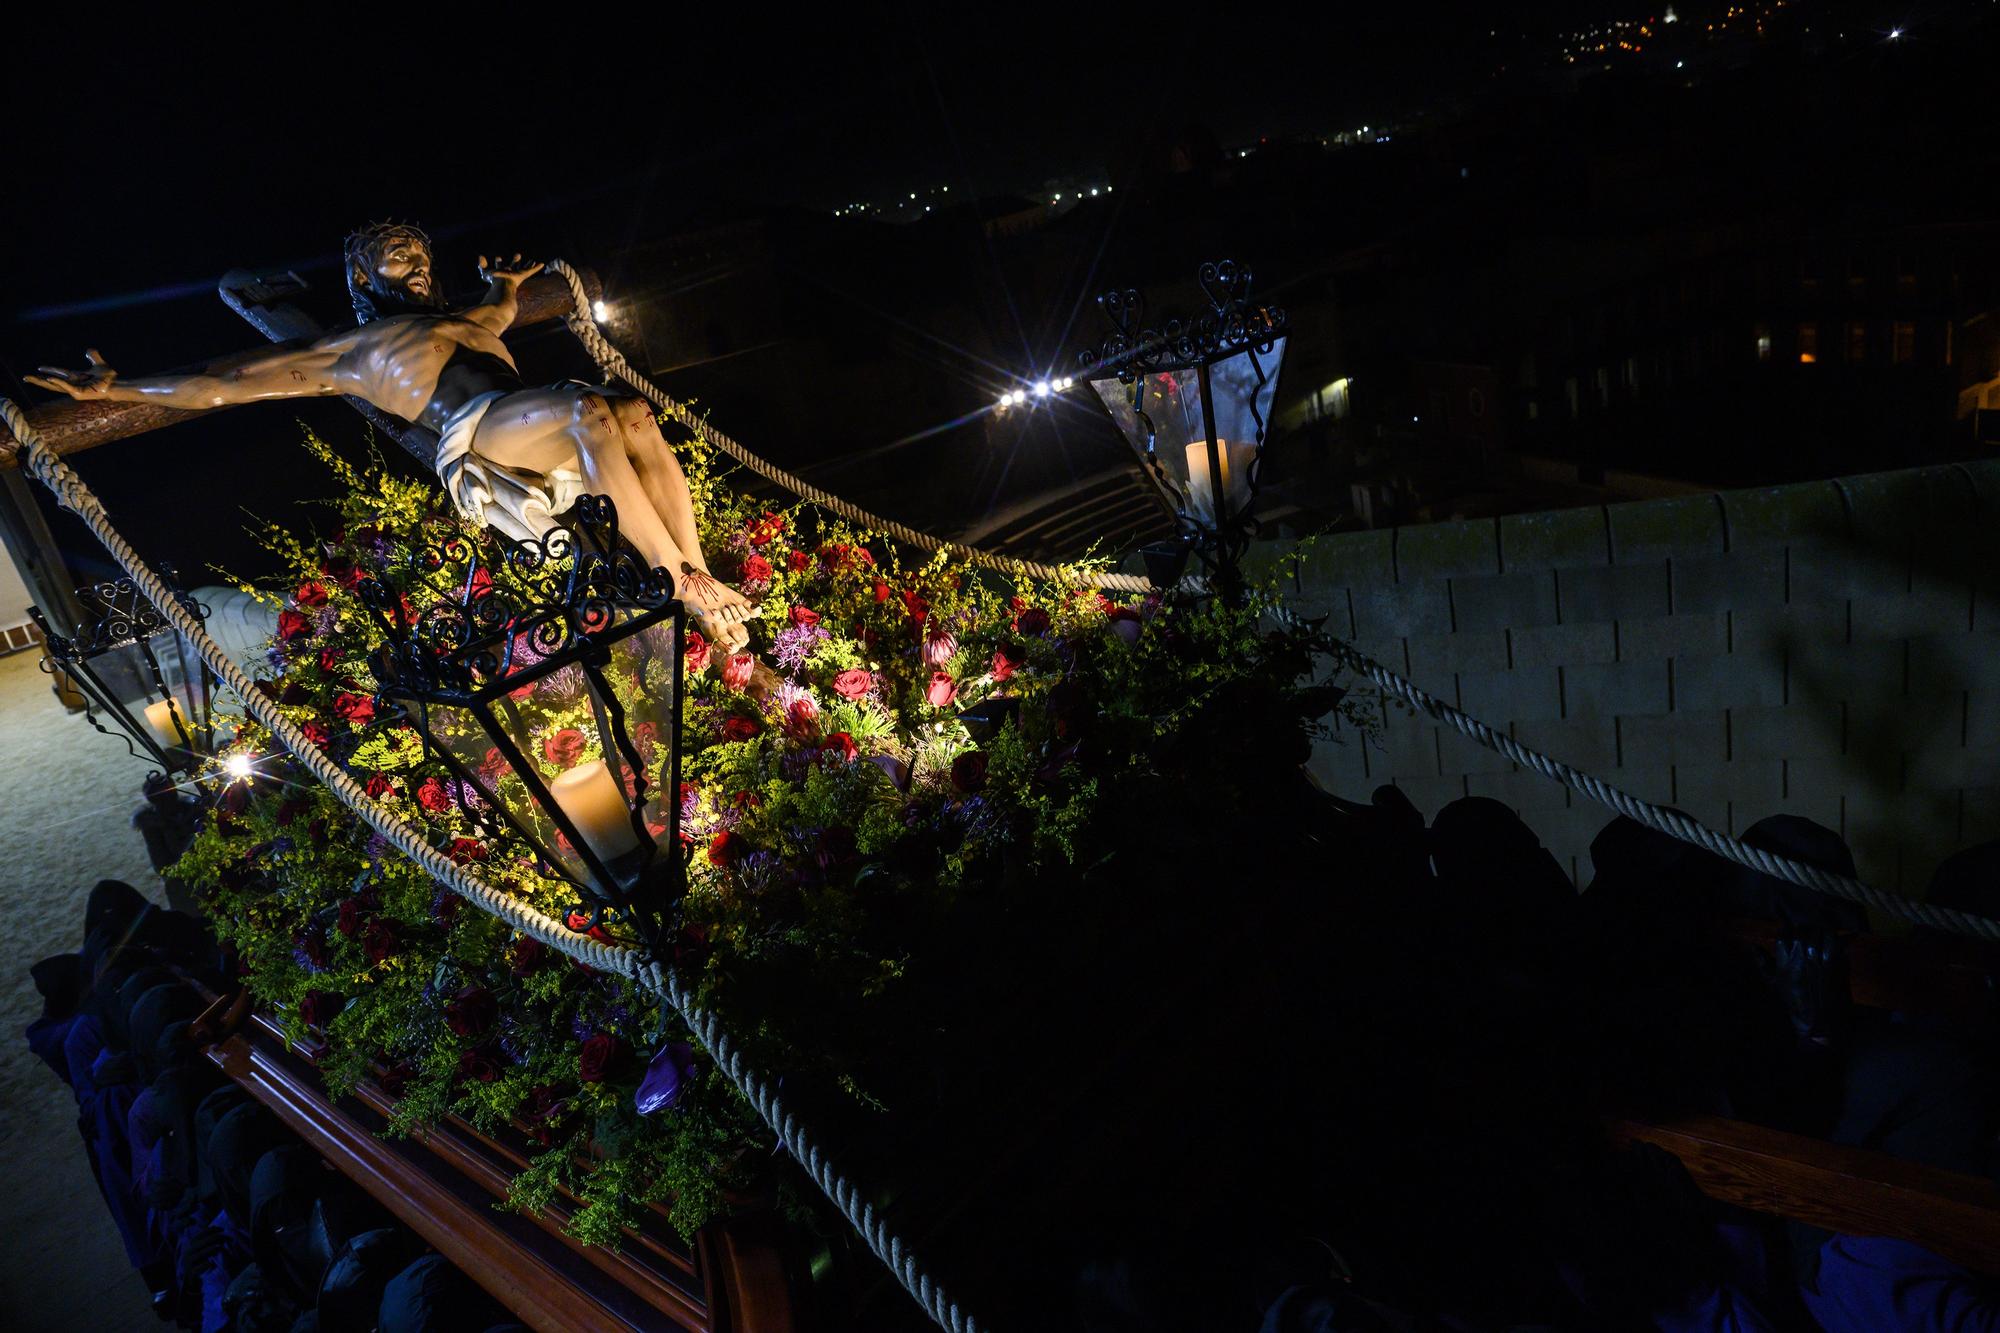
column 517, row 503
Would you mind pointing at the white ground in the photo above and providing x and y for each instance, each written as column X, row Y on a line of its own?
column 66, row 800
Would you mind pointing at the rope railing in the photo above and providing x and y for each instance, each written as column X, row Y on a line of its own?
column 613, row 363
column 761, row 1092
column 1671, row 822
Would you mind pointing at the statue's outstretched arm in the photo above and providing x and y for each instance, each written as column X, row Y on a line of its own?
column 495, row 312
column 288, row 373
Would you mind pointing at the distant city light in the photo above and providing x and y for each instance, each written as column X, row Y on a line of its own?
column 600, row 311
column 1041, row 388
column 1895, row 34
column 1679, row 63
column 1093, row 194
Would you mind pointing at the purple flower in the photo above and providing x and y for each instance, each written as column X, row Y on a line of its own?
column 564, row 684
column 793, row 646
column 760, row 872
column 666, row 1079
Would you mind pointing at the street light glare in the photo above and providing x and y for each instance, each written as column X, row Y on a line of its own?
column 600, row 311
column 1041, row 388
column 237, row 766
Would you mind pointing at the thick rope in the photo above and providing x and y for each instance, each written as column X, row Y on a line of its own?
column 77, row 497
column 613, row 363
column 1653, row 816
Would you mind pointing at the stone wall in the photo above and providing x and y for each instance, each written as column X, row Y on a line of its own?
column 1830, row 649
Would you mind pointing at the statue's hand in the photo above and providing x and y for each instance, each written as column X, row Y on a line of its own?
column 94, row 381
column 510, row 271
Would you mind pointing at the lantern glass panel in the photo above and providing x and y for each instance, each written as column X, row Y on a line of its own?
column 596, row 737
column 1242, row 389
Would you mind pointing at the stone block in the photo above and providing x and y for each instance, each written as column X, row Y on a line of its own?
column 1348, row 560
column 1799, row 731
column 1447, row 550
column 1405, row 747
column 1606, row 689
column 1979, row 819
column 1694, row 635
column 1732, row 680
column 1342, row 767
column 1819, row 784
column 1768, row 630
column 1733, row 582
column 1525, row 790
column 1432, row 656
column 1499, row 697
column 1950, row 663
column 1648, row 740
column 1614, row 592
column 1930, row 608
column 1565, row 645
column 1684, row 527
column 1982, row 719
column 1750, row 782
column 1503, row 601
column 1555, row 539
column 1586, row 744
column 1867, row 670
column 1655, row 784
column 1398, row 609
column 1794, row 514
column 1837, row 572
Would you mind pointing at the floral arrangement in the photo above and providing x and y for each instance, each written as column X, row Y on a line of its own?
column 845, row 820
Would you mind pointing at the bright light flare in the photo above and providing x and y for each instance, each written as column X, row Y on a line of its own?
column 600, row 312
column 237, row 766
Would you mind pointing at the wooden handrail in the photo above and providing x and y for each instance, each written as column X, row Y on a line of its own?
column 1852, row 1190
column 70, row 427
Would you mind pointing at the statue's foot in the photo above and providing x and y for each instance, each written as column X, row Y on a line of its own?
column 720, row 612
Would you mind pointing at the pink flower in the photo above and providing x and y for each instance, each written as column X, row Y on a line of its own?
column 564, row 748
column 939, row 647
column 802, row 720
column 942, row 689
column 736, row 671
column 694, row 652
column 853, row 683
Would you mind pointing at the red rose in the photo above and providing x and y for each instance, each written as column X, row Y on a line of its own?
column 329, row 660
column 646, row 738
column 472, row 1011
column 804, row 615
column 853, row 683
column 349, row 919
column 528, row 954
column 736, row 671
column 433, row 797
column 478, row 1065
column 290, row 810
column 293, row 694
column 746, row 800
column 445, row 904
column 291, row 624
column 1007, row 659
column 341, row 570
column 600, row 1057
column 800, row 561
column 576, row 922
column 564, row 748
column 396, row 1077
column 767, row 529
column 942, row 690
column 968, row 771
column 756, row 569
column 317, row 1008
column 737, row 727
column 378, row 941
column 316, row 732
column 463, row 850
column 493, row 765
column 311, row 594
column 802, row 720
column 915, row 605
column 727, row 849
column 379, row 787
column 1034, row 620
column 357, row 709
column 881, row 592
column 842, row 744
column 694, row 652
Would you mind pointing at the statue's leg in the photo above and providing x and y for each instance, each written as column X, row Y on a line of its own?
column 660, row 473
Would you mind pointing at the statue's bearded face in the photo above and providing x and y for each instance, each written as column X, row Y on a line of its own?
column 402, row 268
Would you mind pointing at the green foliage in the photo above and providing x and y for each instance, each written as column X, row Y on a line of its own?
column 842, row 822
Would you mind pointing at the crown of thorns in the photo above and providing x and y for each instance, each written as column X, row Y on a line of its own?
column 362, row 243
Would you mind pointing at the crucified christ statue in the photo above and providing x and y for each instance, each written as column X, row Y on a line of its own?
column 510, row 455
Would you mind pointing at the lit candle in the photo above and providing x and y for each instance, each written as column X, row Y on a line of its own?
column 161, row 718
column 590, row 797
column 1235, row 458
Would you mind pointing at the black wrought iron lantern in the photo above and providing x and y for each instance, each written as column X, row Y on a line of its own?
column 1193, row 398
column 136, row 671
column 552, row 695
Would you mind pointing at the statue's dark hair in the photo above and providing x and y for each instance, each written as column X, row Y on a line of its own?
column 361, row 249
